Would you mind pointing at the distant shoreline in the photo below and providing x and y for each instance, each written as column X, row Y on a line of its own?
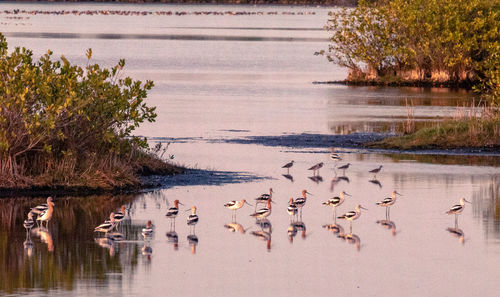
column 209, row 2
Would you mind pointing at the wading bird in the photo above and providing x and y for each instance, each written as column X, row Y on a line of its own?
column 387, row 202
column 173, row 211
column 147, row 231
column 352, row 215
column 288, row 166
column 457, row 209
column 375, row 171
column 336, row 201
column 292, row 209
column 192, row 218
column 344, row 168
column 316, row 168
column 107, row 226
column 47, row 214
column 235, row 205
column 301, row 201
column 263, row 212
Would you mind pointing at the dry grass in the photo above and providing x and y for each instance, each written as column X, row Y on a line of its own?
column 470, row 127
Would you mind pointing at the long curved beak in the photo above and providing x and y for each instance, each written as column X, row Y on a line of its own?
column 181, row 203
column 363, row 207
column 399, row 194
column 467, row 201
column 187, row 209
column 248, row 203
column 347, row 194
column 309, row 193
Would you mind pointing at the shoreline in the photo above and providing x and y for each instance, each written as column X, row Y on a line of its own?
column 417, row 84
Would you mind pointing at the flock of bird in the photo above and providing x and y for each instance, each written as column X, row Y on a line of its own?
column 45, row 212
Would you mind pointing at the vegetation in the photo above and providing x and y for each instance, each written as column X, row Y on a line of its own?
column 62, row 124
column 453, row 42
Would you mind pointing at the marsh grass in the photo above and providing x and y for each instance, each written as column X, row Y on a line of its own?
column 469, row 127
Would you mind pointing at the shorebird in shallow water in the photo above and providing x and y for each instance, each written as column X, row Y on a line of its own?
column 264, row 197
column 457, row 209
column 120, row 215
column 263, row 212
column 147, row 231
column 108, row 225
column 344, row 168
column 352, row 215
column 173, row 211
column 235, row 205
column 336, row 201
column 387, row 202
column 39, row 209
column 46, row 216
column 315, row 168
column 334, row 156
column 192, row 220
column 301, row 201
column 288, row 166
column 375, row 171
column 292, row 209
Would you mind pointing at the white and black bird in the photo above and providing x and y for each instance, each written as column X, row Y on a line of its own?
column 352, row 215
column 120, row 215
column 173, row 211
column 192, row 219
column 292, row 208
column 263, row 212
column 46, row 215
column 336, row 201
column 387, row 202
column 457, row 209
column 147, row 231
column 235, row 205
column 29, row 222
column 107, row 226
column 334, row 156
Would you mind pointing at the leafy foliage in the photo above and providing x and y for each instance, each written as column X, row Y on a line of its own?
column 55, row 115
column 454, row 40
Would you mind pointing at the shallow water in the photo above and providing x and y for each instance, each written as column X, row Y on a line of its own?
column 210, row 95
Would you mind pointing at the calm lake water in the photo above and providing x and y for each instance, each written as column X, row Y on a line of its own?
column 224, row 83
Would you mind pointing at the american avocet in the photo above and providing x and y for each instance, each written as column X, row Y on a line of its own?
column 287, row 166
column 375, row 171
column 47, row 214
column 29, row 222
column 192, row 219
column 147, row 231
column 42, row 207
column 301, row 201
column 316, row 167
column 107, row 226
column 173, row 211
column 292, row 209
column 387, row 202
column 334, row 156
column 352, row 215
column 235, row 205
column 120, row 215
column 292, row 232
column 263, row 212
column 457, row 209
column 264, row 197
column 344, row 168
column 336, row 201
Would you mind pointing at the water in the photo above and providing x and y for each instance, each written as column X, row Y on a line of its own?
column 221, row 79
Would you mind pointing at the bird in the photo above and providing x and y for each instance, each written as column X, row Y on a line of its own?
column 193, row 217
column 42, row 207
column 316, row 167
column 235, row 205
column 387, row 202
column 29, row 222
column 288, row 166
column 292, row 208
column 457, row 209
column 264, row 197
column 352, row 215
column 334, row 156
column 301, row 201
column 107, row 226
column 344, row 167
column 120, row 215
column 47, row 214
column 263, row 212
column 147, row 231
column 375, row 171
column 173, row 211
column 336, row 201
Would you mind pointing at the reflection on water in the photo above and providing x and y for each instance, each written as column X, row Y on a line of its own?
column 458, row 233
column 389, row 225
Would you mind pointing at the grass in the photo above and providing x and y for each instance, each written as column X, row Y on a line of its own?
column 468, row 128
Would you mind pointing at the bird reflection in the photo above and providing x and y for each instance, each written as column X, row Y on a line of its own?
column 352, row 239
column 334, row 228
column 45, row 237
column 235, row 227
column 264, row 233
column 193, row 242
column 115, row 236
column 458, row 233
column 173, row 238
column 337, row 179
column 344, row 178
column 389, row 225
column 288, row 176
column 376, row 182
column 28, row 245
column 147, row 251
column 316, row 178
column 107, row 243
column 301, row 227
column 292, row 232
